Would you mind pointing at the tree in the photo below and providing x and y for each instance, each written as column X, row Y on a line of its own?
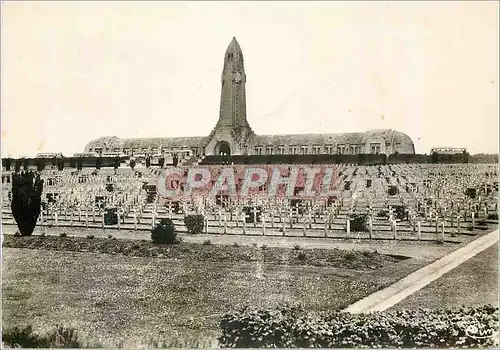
column 434, row 158
column 175, row 160
column 26, row 163
column 148, row 162
column 98, row 163
column 132, row 163
column 164, row 232
column 116, row 164
column 161, row 161
column 8, row 162
column 40, row 164
column 465, row 157
column 79, row 163
column 60, row 164
column 27, row 190
column 17, row 165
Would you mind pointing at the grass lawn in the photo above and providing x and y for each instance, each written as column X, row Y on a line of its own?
column 114, row 299
column 473, row 283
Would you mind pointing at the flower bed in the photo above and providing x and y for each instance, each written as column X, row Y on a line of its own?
column 353, row 260
column 418, row 328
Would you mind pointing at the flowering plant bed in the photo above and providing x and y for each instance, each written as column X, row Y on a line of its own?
column 418, row 328
column 353, row 260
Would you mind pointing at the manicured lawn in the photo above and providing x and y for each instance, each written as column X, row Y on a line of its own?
column 114, row 299
column 474, row 283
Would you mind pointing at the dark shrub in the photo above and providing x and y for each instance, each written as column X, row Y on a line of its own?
column 60, row 337
column 98, row 163
column 132, row 163
column 493, row 216
column 207, row 242
column 23, row 337
column 63, row 337
column 27, row 190
column 161, row 162
column 359, row 223
column 392, row 191
column 400, row 212
column 164, row 232
column 471, row 193
column 291, row 327
column 79, row 163
column 194, row 223
column 40, row 164
column 302, row 256
column 7, row 163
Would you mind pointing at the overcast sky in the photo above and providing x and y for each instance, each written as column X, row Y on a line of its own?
column 72, row 72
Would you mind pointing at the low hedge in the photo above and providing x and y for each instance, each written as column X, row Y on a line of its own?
column 194, row 223
column 294, row 327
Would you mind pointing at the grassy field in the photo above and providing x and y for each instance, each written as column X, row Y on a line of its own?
column 113, row 299
column 474, row 283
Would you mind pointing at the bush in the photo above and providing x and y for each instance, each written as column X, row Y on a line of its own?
column 63, row 337
column 23, row 337
column 493, row 216
column 27, row 190
column 296, row 247
column 417, row 328
column 90, row 236
column 359, row 223
column 60, row 337
column 471, row 193
column 207, row 242
column 110, row 236
column 194, row 223
column 400, row 212
column 392, row 191
column 164, row 232
column 302, row 256
column 63, row 234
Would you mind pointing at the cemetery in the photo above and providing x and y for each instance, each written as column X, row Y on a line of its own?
column 95, row 232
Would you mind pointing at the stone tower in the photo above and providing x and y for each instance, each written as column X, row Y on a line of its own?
column 232, row 129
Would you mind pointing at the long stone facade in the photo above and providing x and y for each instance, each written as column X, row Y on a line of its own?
column 232, row 135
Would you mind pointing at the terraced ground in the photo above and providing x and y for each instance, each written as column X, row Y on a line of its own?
column 114, row 299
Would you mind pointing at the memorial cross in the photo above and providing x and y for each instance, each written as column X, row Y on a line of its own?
column 225, row 223
column 263, row 218
column 272, row 217
column 254, row 212
column 244, row 217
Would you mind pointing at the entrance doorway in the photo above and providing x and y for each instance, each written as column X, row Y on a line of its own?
column 223, row 149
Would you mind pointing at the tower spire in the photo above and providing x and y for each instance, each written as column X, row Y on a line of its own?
column 233, row 95
column 232, row 131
